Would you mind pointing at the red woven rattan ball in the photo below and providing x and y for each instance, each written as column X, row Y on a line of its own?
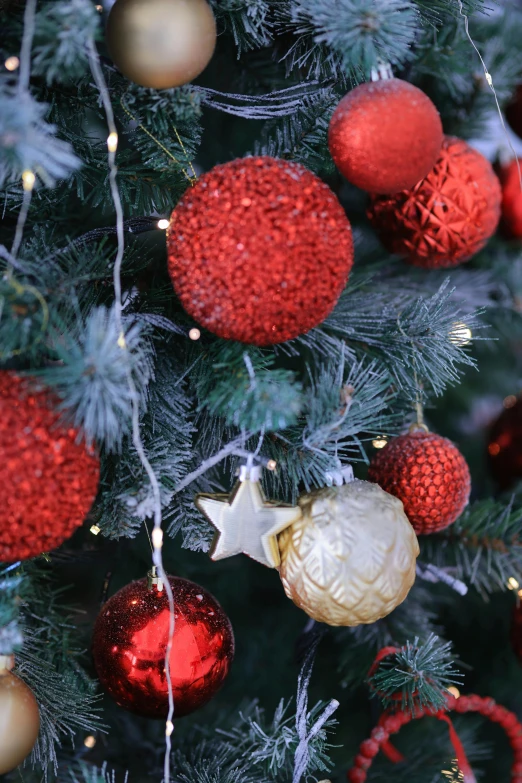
column 429, row 474
column 48, row 480
column 259, row 250
column 385, row 136
column 448, row 216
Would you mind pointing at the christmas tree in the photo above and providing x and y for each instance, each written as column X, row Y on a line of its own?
column 260, row 431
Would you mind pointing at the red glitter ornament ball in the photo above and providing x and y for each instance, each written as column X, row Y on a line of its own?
column 130, row 642
column 259, row 250
column 429, row 474
column 48, row 480
column 514, row 112
column 505, row 445
column 385, row 136
column 511, row 199
column 448, row 216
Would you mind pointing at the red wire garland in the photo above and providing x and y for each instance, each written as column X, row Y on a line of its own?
column 391, row 723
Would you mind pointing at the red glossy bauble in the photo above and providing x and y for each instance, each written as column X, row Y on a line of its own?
column 385, row 136
column 511, row 199
column 259, row 250
column 514, row 112
column 130, row 642
column 48, row 479
column 505, row 446
column 448, row 216
column 429, row 474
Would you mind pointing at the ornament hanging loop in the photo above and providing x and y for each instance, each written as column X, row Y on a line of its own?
column 381, row 72
column 336, row 478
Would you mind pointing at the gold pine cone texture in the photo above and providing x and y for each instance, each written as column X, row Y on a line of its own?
column 350, row 558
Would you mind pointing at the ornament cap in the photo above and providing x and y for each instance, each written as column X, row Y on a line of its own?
column 154, row 580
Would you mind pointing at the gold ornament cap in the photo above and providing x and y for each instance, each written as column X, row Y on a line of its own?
column 161, row 43
column 350, row 558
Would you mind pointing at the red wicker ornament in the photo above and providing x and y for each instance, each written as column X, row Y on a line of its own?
column 48, row 480
column 130, row 641
column 429, row 474
column 259, row 250
column 509, row 177
column 385, row 136
column 391, row 722
column 448, row 216
column 505, row 446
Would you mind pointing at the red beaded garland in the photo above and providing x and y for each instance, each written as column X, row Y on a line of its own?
column 448, row 216
column 130, row 641
column 429, row 474
column 509, row 177
column 259, row 250
column 390, row 723
column 385, row 136
column 48, row 479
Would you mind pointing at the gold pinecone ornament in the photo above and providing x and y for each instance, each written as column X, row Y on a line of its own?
column 350, row 557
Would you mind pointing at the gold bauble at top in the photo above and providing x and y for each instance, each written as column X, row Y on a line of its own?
column 161, row 43
column 350, row 558
column 19, row 721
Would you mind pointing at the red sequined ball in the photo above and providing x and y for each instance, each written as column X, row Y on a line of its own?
column 448, row 216
column 511, row 199
column 259, row 250
column 505, row 445
column 48, row 480
column 130, row 641
column 429, row 474
column 385, row 136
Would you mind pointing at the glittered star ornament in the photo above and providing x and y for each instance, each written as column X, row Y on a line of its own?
column 246, row 523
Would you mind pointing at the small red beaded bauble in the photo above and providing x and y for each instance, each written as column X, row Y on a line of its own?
column 259, row 250
column 130, row 641
column 448, row 216
column 509, row 177
column 48, row 479
column 505, row 446
column 429, row 474
column 385, row 136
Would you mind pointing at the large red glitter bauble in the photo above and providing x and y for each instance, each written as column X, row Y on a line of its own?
column 511, row 199
column 448, row 216
column 130, row 642
column 514, row 112
column 48, row 480
column 385, row 136
column 429, row 474
column 505, row 446
column 259, row 250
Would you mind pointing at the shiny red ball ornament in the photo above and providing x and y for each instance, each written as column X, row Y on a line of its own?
column 505, row 446
column 448, row 216
column 514, row 112
column 48, row 479
column 385, row 136
column 429, row 474
column 130, row 641
column 511, row 199
column 259, row 250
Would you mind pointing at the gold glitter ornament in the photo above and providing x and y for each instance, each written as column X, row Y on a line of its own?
column 350, row 557
column 161, row 43
column 19, row 718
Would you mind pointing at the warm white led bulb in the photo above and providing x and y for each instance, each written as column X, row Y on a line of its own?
column 12, row 63
column 157, row 538
column 28, row 179
column 89, row 741
column 169, row 728
column 379, row 443
column 112, row 142
column 460, row 334
column 163, row 223
column 194, row 334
